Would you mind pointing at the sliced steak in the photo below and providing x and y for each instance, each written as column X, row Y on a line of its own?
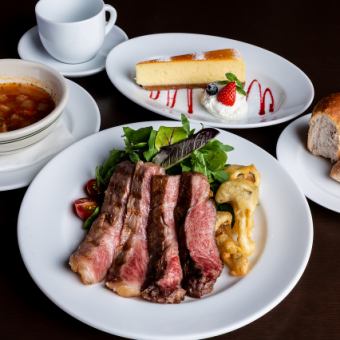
column 196, row 217
column 127, row 274
column 205, row 265
column 163, row 282
column 95, row 254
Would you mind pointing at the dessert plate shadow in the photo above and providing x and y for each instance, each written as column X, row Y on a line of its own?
column 292, row 90
column 310, row 172
column 274, row 273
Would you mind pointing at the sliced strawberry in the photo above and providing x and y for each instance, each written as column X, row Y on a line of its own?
column 227, row 95
column 84, row 207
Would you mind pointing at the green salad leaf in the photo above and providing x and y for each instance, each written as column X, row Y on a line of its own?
column 88, row 222
column 186, row 125
column 104, row 171
column 177, row 149
column 210, row 160
column 137, row 138
column 152, row 150
column 169, row 135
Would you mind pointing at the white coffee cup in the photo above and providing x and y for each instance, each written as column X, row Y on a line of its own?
column 73, row 31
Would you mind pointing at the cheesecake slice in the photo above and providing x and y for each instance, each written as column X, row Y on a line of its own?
column 189, row 70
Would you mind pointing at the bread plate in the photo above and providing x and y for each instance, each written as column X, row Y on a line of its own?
column 310, row 172
column 274, row 271
column 291, row 89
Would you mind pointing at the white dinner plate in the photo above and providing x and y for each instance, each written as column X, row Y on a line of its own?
column 310, row 172
column 31, row 48
column 291, row 88
column 81, row 119
column 283, row 234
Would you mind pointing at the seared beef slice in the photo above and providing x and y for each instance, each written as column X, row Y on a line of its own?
column 163, row 282
column 95, row 254
column 127, row 274
column 196, row 217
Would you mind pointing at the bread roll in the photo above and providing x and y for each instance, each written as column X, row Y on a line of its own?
column 324, row 128
column 335, row 172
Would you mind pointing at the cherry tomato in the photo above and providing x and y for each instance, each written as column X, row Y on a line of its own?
column 92, row 189
column 84, row 207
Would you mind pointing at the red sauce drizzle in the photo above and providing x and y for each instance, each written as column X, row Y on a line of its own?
column 171, row 98
column 271, row 106
column 174, row 99
column 189, row 100
column 171, row 101
column 167, row 98
column 262, row 110
column 154, row 96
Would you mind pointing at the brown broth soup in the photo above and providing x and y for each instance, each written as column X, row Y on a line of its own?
column 22, row 105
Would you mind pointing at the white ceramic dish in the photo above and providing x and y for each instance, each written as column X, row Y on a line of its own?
column 292, row 90
column 31, row 48
column 20, row 71
column 81, row 118
column 73, row 31
column 310, row 172
column 233, row 302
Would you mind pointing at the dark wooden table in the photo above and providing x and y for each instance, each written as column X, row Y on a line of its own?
column 306, row 35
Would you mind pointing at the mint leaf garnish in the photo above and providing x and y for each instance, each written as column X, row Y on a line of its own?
column 232, row 78
column 240, row 90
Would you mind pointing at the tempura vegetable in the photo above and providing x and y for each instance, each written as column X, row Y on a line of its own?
column 234, row 233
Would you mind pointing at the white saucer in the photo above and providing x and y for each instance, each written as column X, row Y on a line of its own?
column 81, row 118
column 31, row 48
column 311, row 173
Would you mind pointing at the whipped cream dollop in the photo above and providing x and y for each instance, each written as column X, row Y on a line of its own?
column 237, row 111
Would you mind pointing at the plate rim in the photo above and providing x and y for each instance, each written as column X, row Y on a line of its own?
column 228, row 328
column 279, row 146
column 210, row 123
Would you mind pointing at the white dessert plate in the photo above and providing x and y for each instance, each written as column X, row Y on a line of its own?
column 291, row 88
column 277, row 265
column 31, row 48
column 310, row 172
column 81, row 118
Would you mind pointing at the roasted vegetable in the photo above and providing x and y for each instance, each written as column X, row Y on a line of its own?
column 235, row 241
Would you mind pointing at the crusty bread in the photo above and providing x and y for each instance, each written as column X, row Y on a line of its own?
column 335, row 171
column 324, row 128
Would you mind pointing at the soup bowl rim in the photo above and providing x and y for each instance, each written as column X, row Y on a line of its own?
column 39, row 126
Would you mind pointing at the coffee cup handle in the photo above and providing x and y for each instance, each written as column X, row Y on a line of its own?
column 112, row 20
